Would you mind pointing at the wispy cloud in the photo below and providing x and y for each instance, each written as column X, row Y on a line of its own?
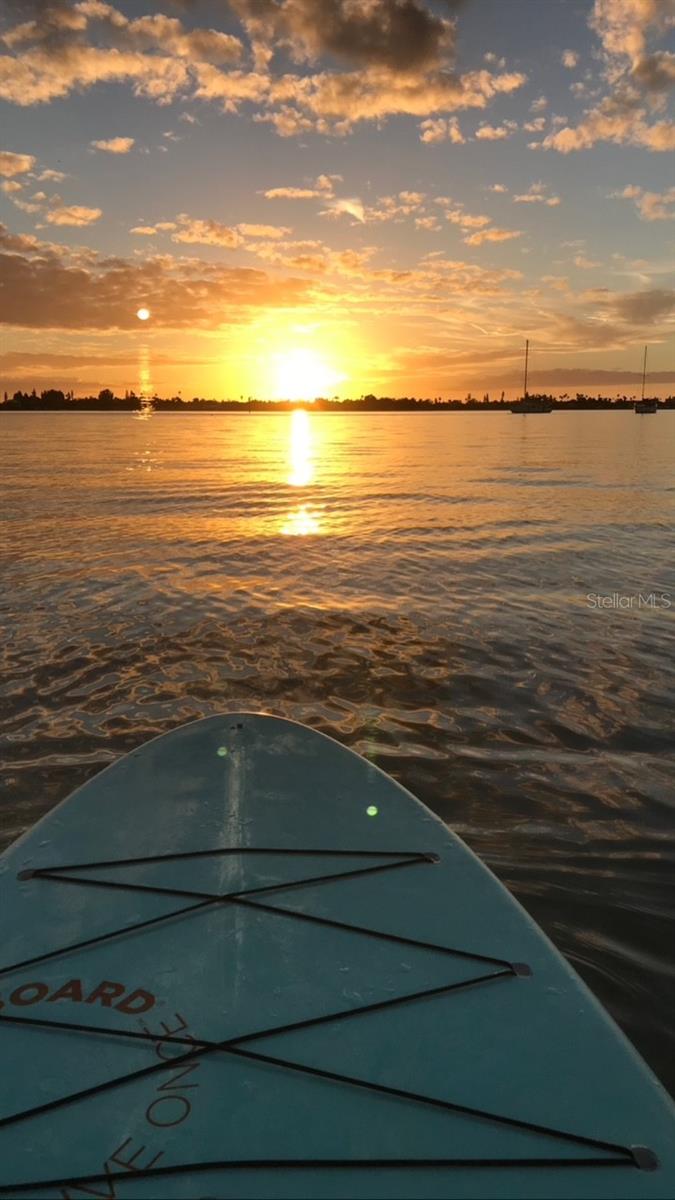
column 496, row 133
column 441, row 129
column 651, row 206
column 537, row 194
column 73, row 214
column 114, row 145
column 205, row 232
column 584, row 263
column 322, row 187
column 492, row 235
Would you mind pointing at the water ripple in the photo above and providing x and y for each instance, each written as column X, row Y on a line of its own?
column 417, row 588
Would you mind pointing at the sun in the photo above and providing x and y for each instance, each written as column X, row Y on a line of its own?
column 303, row 374
column 143, row 314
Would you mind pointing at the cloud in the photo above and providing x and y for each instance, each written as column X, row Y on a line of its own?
column 616, row 119
column 481, row 224
column 54, row 56
column 492, row 235
column 386, row 208
column 497, row 187
column 535, row 126
column 263, row 231
column 316, row 258
column 536, row 194
column 73, row 214
column 46, row 287
column 569, row 59
column 206, row 232
column 584, row 263
column 624, row 27
column 496, row 133
column 441, row 129
column 465, row 220
column 144, row 230
column 332, row 103
column 652, row 206
column 322, row 187
column 634, row 74
column 429, row 223
column 168, row 34
column 10, row 185
column 15, row 164
column 400, row 35
column 402, row 49
column 26, row 206
column 642, row 308
column 39, row 76
column 148, row 32
column 579, row 377
column 115, row 145
column 656, row 72
column 349, row 206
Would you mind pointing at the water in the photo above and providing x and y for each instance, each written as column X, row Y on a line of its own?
column 415, row 585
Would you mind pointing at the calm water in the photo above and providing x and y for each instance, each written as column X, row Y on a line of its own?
column 415, row 585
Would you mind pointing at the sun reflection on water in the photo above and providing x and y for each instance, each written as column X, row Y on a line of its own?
column 301, row 459
column 304, row 519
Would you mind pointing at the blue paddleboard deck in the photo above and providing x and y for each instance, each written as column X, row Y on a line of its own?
column 243, row 962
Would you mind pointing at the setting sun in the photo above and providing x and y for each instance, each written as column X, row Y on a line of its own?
column 303, row 374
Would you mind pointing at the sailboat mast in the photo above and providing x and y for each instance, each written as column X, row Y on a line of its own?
column 644, row 374
column 527, row 355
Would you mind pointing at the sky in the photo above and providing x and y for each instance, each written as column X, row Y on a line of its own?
column 336, row 197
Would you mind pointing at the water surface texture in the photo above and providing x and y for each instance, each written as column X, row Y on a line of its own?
column 416, row 585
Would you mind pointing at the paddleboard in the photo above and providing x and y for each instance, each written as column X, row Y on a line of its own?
column 244, row 962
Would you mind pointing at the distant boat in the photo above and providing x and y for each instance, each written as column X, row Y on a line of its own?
column 642, row 405
column 530, row 404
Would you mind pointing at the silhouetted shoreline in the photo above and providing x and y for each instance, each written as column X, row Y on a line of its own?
column 54, row 400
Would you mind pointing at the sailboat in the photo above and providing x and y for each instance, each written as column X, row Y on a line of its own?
column 530, row 404
column 642, row 405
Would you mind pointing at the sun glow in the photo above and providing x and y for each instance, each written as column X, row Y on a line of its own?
column 303, row 374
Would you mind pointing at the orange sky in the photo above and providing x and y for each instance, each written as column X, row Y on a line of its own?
column 337, row 196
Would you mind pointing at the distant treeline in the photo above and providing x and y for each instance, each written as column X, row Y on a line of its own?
column 53, row 400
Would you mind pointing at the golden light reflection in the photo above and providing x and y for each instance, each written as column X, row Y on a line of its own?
column 146, row 390
column 301, row 449
column 304, row 519
column 301, row 522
